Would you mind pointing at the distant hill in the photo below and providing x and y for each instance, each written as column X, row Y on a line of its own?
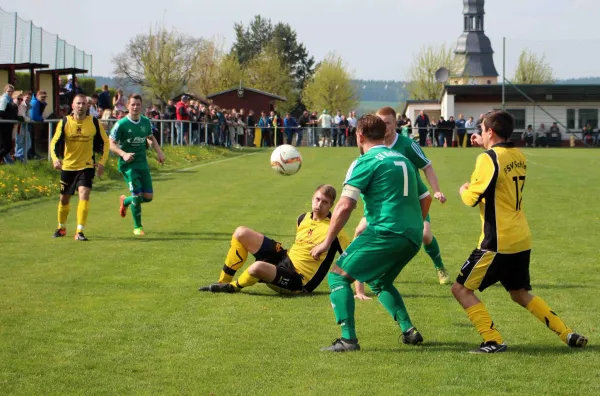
column 582, row 80
column 113, row 82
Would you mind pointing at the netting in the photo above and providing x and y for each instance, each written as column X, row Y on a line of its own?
column 23, row 42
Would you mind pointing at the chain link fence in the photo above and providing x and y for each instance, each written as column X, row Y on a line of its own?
column 23, row 42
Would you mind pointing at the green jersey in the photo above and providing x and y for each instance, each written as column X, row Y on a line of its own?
column 411, row 150
column 131, row 138
column 391, row 192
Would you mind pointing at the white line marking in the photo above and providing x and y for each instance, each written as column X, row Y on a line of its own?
column 208, row 163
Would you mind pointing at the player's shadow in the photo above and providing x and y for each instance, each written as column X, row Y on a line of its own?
column 564, row 286
column 465, row 347
column 275, row 294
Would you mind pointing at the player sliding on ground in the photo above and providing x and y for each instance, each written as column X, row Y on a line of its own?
column 505, row 243
column 411, row 150
column 396, row 202
column 128, row 140
column 294, row 270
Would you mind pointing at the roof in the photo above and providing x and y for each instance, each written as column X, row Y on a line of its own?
column 23, row 66
column 284, row 99
column 191, row 96
column 537, row 92
column 68, row 70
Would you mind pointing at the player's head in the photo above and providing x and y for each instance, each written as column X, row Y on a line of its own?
column 134, row 105
column 497, row 126
column 370, row 129
column 388, row 115
column 80, row 105
column 323, row 200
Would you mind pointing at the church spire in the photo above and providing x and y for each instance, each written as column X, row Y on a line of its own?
column 474, row 46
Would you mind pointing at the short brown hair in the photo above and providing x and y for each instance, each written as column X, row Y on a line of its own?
column 41, row 92
column 328, row 190
column 371, row 127
column 134, row 96
column 79, row 96
column 386, row 111
column 9, row 86
column 501, row 122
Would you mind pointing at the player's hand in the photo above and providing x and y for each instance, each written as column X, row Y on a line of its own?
column 318, row 250
column 362, row 297
column 128, row 157
column 440, row 196
column 161, row 158
column 58, row 164
column 100, row 170
column 476, row 140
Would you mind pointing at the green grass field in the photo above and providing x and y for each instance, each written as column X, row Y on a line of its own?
column 122, row 315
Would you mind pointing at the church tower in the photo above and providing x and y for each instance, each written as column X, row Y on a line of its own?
column 474, row 48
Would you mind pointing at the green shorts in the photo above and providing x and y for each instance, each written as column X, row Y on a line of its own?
column 376, row 257
column 138, row 180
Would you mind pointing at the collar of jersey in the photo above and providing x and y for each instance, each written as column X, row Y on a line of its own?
column 135, row 122
column 394, row 142
column 378, row 146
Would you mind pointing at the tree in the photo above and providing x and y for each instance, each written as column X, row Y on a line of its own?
column 533, row 69
column 267, row 72
column 331, row 87
column 161, row 62
column 421, row 76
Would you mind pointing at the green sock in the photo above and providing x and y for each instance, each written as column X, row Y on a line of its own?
column 342, row 301
column 128, row 201
column 433, row 250
column 392, row 301
column 136, row 210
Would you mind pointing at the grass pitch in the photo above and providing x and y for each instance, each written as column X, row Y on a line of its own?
column 122, row 315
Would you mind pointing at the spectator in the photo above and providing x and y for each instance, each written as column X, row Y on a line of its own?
column 36, row 114
column 470, row 128
column 555, row 137
column 343, row 130
column 104, row 99
column 450, row 126
column 119, row 101
column 325, row 120
column 20, row 130
column 423, row 123
column 291, row 125
column 313, row 137
column 182, row 116
column 588, row 135
column 93, row 106
column 8, row 111
column 352, row 123
column 251, row 123
column 441, row 132
column 541, row 139
column 406, row 129
column 170, row 111
column 303, row 122
column 264, row 123
column 336, row 130
column 528, row 136
column 461, row 132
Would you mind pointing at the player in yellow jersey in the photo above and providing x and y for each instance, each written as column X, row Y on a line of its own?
column 504, row 249
column 293, row 270
column 76, row 139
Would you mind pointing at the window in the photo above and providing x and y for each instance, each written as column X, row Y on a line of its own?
column 466, row 24
column 519, row 116
column 588, row 116
column 571, row 118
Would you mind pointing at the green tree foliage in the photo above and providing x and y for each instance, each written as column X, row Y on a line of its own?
column 331, row 87
column 533, row 69
column 421, row 74
column 161, row 62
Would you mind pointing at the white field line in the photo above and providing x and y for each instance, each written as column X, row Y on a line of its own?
column 208, row 164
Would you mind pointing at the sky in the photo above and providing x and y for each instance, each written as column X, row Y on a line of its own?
column 376, row 38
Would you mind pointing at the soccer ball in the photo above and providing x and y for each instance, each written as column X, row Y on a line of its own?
column 286, row 160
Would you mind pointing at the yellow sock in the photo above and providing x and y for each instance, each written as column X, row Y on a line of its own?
column 236, row 257
column 82, row 214
column 481, row 319
column 544, row 313
column 63, row 213
column 245, row 280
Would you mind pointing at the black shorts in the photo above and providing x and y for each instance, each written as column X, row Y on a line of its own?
column 484, row 268
column 70, row 181
column 273, row 253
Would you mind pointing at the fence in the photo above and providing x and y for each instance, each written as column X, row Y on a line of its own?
column 23, row 42
column 191, row 133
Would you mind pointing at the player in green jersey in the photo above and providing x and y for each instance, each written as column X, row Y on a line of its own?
column 413, row 152
column 128, row 140
column 396, row 202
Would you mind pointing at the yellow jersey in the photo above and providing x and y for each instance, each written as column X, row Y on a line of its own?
column 497, row 187
column 310, row 233
column 78, row 142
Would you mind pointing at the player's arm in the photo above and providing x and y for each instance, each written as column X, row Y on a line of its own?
column 106, row 149
column 114, row 144
column 153, row 143
column 472, row 192
column 424, row 196
column 57, row 163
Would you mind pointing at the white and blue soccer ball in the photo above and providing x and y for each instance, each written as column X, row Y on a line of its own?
column 286, row 160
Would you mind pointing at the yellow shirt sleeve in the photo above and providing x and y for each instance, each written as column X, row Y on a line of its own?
column 106, row 150
column 55, row 138
column 480, row 180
